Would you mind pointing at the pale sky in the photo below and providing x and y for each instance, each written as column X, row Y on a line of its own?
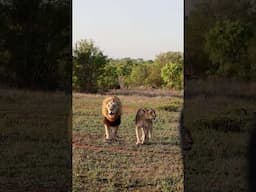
column 130, row 28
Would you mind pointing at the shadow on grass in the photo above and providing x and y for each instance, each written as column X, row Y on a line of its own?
column 34, row 141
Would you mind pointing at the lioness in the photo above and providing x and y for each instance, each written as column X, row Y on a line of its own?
column 111, row 111
column 144, row 124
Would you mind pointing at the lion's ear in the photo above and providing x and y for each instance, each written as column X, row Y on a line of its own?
column 152, row 110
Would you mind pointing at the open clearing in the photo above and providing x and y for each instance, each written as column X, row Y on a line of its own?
column 219, row 115
column 121, row 165
column 34, row 147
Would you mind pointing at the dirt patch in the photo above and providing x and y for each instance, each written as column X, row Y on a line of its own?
column 80, row 144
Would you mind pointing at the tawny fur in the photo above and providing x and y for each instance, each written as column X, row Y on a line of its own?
column 105, row 111
column 144, row 124
column 111, row 120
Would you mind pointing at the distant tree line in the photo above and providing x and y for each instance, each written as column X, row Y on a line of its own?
column 93, row 71
column 35, row 43
column 220, row 39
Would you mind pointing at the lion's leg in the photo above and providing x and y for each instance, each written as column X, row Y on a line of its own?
column 143, row 136
column 115, row 129
column 150, row 133
column 146, row 134
column 107, row 131
column 137, row 135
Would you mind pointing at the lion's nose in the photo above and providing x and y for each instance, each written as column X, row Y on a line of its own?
column 111, row 113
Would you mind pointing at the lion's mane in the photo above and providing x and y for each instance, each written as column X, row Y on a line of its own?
column 105, row 111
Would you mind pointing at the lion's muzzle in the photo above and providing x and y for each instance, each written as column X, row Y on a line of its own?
column 111, row 113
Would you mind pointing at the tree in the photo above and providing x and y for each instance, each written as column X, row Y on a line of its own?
column 169, row 57
column 226, row 44
column 203, row 17
column 138, row 75
column 172, row 74
column 109, row 78
column 123, row 68
column 35, row 44
column 89, row 63
column 154, row 78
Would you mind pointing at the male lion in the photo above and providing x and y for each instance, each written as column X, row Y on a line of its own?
column 144, row 124
column 111, row 111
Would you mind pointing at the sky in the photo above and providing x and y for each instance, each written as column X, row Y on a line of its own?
column 130, row 28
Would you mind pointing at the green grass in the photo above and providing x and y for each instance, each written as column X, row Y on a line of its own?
column 34, row 148
column 121, row 165
column 219, row 117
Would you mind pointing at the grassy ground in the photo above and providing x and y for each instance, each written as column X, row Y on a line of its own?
column 35, row 152
column 219, row 115
column 123, row 166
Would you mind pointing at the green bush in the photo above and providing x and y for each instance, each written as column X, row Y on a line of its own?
column 172, row 74
column 226, row 44
column 88, row 65
column 109, row 78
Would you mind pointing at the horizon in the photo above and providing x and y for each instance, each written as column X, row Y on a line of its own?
column 130, row 29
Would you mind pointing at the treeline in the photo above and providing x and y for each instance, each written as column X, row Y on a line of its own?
column 220, row 39
column 35, row 44
column 93, row 71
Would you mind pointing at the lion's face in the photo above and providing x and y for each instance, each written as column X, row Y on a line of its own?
column 150, row 114
column 112, row 108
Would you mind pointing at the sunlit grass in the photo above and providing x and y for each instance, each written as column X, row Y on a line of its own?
column 123, row 166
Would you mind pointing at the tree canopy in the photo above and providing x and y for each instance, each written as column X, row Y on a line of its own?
column 219, row 38
column 35, row 44
column 88, row 65
column 93, row 71
column 226, row 44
